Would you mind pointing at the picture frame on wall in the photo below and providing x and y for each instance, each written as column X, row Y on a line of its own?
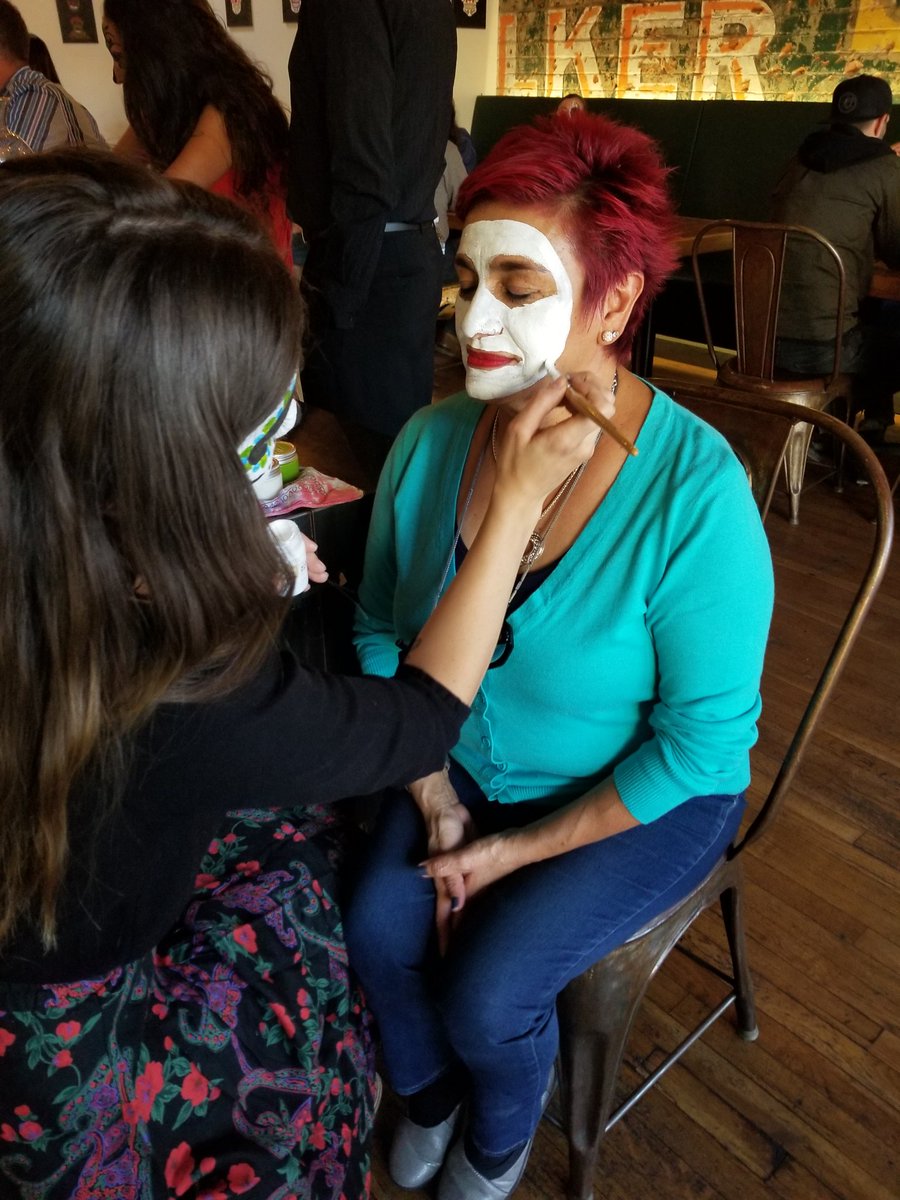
column 290, row 10
column 470, row 14
column 76, row 21
column 239, row 13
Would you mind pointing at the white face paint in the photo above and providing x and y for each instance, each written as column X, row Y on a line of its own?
column 514, row 316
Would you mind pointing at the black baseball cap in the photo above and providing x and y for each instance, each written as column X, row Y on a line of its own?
column 862, row 98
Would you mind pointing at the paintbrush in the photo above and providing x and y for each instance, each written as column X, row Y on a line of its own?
column 583, row 405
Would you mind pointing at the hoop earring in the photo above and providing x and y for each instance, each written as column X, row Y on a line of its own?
column 609, row 335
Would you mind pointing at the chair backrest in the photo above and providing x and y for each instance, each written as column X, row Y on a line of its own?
column 756, row 426
column 760, row 251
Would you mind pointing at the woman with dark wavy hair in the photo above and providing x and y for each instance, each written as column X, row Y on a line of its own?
column 198, row 108
column 176, row 1015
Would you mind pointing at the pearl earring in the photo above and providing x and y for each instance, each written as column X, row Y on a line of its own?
column 609, row 335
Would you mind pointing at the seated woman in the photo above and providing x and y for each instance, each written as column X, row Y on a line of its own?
column 175, row 1011
column 198, row 108
column 600, row 773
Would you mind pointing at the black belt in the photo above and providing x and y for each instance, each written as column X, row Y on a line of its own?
column 403, row 226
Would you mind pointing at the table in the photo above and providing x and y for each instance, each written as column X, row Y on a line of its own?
column 885, row 284
column 686, row 229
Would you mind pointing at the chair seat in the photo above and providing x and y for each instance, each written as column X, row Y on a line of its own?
column 690, row 905
column 814, row 393
column 759, row 259
column 817, row 394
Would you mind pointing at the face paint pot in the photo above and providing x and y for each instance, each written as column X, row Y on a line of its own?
column 290, row 542
column 269, row 484
column 286, row 457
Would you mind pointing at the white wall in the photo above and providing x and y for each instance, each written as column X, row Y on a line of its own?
column 86, row 70
column 476, row 65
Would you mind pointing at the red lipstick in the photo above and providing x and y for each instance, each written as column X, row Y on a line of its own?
column 484, row 360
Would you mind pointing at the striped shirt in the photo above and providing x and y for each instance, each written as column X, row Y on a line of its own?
column 46, row 117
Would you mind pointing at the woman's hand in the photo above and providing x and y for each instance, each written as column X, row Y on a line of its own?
column 480, row 864
column 596, row 815
column 449, row 826
column 601, row 395
column 316, row 569
column 542, row 443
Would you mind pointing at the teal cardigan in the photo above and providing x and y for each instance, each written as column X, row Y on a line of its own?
column 640, row 655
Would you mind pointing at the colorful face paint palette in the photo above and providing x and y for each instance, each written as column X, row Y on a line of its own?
column 311, row 489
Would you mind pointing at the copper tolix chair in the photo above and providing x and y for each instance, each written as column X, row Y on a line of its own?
column 596, row 1010
column 759, row 253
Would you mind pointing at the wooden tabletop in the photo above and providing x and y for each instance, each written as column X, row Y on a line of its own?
column 687, row 228
column 885, row 283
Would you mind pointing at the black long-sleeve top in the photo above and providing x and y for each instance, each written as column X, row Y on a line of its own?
column 371, row 95
column 291, row 737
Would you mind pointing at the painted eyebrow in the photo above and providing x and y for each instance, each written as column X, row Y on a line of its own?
column 518, row 262
column 507, row 262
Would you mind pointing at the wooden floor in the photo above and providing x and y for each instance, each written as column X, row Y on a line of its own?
column 811, row 1110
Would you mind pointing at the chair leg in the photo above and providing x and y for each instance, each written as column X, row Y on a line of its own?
column 846, row 415
column 732, row 902
column 596, row 1012
column 795, row 466
column 590, row 1059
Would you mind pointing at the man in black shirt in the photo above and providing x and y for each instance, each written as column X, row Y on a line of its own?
column 371, row 94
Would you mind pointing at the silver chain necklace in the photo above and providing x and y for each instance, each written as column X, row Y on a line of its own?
column 537, row 540
column 553, row 511
column 535, row 547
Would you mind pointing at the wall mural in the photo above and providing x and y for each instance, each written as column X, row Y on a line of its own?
column 693, row 49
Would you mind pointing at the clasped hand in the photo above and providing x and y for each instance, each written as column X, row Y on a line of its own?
column 460, row 863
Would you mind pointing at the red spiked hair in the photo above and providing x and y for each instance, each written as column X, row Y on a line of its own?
column 608, row 185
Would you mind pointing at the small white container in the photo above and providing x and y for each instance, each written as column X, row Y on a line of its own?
column 291, row 543
column 269, row 484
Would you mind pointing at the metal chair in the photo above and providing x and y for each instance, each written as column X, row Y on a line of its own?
column 758, row 256
column 596, row 1010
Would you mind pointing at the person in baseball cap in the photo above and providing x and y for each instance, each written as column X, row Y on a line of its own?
column 844, row 182
column 861, row 98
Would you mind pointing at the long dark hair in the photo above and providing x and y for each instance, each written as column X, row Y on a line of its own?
column 147, row 327
column 178, row 60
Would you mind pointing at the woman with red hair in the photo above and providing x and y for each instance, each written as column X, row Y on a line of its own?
column 600, row 774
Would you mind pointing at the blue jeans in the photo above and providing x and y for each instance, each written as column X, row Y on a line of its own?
column 491, row 1002
column 870, row 354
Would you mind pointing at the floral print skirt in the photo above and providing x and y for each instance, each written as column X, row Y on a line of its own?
column 236, row 1060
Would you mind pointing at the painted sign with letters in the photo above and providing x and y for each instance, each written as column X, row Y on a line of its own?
column 693, row 49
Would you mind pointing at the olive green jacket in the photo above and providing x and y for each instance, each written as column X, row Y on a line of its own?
column 848, row 189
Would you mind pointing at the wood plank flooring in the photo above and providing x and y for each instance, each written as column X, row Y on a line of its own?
column 811, row 1110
